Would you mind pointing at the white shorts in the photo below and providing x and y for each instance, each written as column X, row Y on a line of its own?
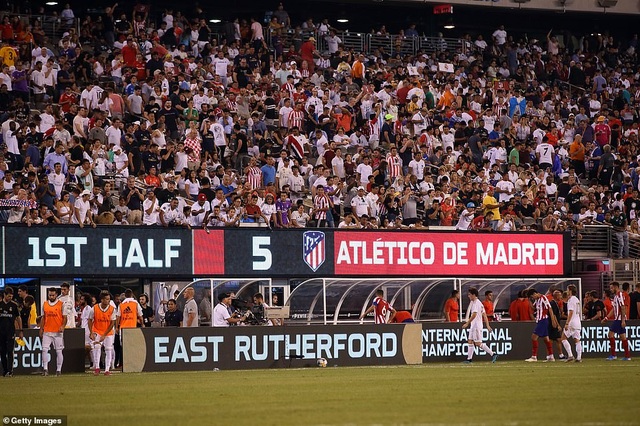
column 475, row 334
column 572, row 332
column 107, row 343
column 56, row 338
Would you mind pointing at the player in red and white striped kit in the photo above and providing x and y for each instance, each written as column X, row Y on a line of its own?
column 381, row 308
column 543, row 315
column 619, row 315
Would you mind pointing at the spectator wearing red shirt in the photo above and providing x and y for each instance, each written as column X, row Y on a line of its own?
column 603, row 132
column 130, row 52
column 67, row 98
column 152, row 179
column 307, row 52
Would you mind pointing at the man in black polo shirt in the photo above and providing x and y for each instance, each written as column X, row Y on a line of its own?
column 171, row 117
column 596, row 308
column 574, row 201
column 134, row 199
column 10, row 322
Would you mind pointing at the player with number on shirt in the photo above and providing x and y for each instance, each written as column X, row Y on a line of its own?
column 573, row 326
column 381, row 307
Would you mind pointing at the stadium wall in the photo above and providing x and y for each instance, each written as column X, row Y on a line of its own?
column 238, row 348
column 27, row 359
column 512, row 340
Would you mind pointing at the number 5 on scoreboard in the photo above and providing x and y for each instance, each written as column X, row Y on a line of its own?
column 261, row 251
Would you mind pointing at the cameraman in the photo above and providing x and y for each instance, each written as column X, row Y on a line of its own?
column 258, row 301
column 221, row 316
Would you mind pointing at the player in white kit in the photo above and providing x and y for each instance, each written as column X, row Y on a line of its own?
column 475, row 316
column 573, row 326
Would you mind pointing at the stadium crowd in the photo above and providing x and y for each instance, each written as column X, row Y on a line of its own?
column 167, row 123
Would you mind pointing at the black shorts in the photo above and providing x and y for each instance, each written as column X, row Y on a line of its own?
column 554, row 333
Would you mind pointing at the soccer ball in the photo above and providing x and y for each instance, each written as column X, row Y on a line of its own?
column 322, row 362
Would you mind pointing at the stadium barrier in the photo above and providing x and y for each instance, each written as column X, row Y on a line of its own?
column 512, row 340
column 237, row 348
column 257, row 252
column 27, row 359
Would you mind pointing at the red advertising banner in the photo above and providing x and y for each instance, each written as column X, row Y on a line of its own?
column 448, row 254
column 442, row 9
column 208, row 252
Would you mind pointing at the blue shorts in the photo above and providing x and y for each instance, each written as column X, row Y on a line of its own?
column 617, row 328
column 542, row 328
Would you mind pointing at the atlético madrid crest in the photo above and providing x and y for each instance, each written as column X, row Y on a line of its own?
column 313, row 243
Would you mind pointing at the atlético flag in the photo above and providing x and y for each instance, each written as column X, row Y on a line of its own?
column 296, row 147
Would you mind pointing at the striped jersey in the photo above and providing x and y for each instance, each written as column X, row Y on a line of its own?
column 381, row 308
column 321, row 202
column 618, row 303
column 394, row 166
column 542, row 306
column 373, row 129
column 254, row 177
column 296, row 119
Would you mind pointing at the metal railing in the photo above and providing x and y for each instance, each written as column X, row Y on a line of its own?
column 368, row 43
column 594, row 241
column 597, row 241
column 53, row 26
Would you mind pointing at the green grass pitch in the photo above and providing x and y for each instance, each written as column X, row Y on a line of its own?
column 595, row 392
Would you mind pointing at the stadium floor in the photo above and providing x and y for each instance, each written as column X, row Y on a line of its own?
column 595, row 392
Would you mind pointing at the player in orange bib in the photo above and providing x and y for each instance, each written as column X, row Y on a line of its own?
column 52, row 329
column 129, row 312
column 102, row 322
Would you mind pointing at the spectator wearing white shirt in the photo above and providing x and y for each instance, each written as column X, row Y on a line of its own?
column 500, row 36
column 505, row 189
column 114, row 132
column 417, row 166
column 448, row 138
column 337, row 164
column 151, row 209
column 359, row 204
column 82, row 210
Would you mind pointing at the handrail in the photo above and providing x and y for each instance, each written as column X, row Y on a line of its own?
column 367, row 43
column 52, row 25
